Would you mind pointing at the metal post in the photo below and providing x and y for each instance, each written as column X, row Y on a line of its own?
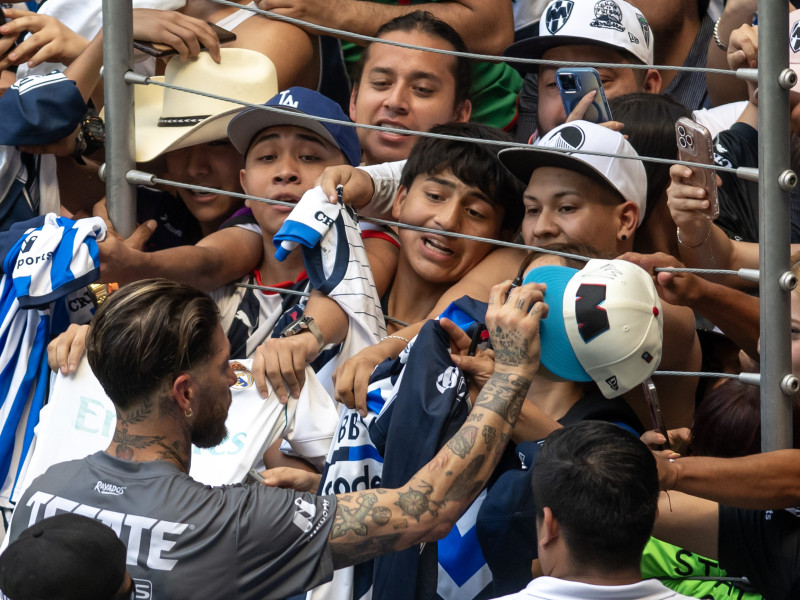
column 774, row 219
column 117, row 60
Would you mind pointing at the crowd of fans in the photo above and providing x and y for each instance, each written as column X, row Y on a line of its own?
column 496, row 430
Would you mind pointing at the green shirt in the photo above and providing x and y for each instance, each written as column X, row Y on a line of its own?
column 683, row 571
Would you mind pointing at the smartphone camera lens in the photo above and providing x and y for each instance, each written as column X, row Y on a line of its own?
column 690, row 141
column 681, row 130
column 567, row 82
column 682, row 141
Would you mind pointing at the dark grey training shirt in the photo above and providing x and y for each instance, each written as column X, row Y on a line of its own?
column 189, row 540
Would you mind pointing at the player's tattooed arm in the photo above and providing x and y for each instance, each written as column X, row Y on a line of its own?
column 373, row 522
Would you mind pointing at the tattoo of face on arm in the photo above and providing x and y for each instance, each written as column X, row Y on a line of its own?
column 503, row 394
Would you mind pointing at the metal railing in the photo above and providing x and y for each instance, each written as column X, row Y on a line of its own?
column 774, row 175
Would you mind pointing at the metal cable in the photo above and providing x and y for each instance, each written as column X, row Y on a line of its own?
column 142, row 177
column 402, row 323
column 137, row 79
column 697, row 374
column 339, row 33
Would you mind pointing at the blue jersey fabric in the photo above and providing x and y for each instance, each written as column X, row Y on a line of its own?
column 46, row 261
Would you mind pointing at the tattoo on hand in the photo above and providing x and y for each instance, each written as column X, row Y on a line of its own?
column 463, row 441
column 510, row 347
column 489, row 434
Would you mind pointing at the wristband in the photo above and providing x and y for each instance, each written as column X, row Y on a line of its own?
column 708, row 235
column 717, row 41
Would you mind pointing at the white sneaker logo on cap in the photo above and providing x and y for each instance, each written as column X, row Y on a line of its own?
column 568, row 138
column 609, row 15
column 557, row 15
column 645, row 28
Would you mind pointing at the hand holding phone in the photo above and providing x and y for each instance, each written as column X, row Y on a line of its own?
column 695, row 145
column 574, row 84
column 160, row 50
column 651, row 396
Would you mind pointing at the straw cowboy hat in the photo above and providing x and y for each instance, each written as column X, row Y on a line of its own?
column 168, row 119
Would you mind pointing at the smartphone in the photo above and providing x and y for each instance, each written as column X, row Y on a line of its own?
column 651, row 396
column 695, row 145
column 574, row 84
column 161, row 50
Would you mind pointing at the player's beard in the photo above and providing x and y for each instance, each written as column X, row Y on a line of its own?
column 209, row 428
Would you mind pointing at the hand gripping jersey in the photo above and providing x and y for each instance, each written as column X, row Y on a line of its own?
column 415, row 404
column 47, row 261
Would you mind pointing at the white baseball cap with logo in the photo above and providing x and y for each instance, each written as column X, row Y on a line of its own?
column 605, row 324
column 559, row 148
column 611, row 23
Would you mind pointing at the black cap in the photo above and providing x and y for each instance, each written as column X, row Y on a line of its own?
column 66, row 557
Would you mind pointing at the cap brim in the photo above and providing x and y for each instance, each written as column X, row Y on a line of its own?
column 535, row 47
column 557, row 354
column 522, row 162
column 246, row 125
column 152, row 140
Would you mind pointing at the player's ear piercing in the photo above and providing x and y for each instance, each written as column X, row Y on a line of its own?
column 188, row 412
column 623, row 237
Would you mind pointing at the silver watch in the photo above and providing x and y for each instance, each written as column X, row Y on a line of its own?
column 304, row 323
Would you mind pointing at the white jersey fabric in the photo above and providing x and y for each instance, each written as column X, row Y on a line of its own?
column 551, row 588
column 79, row 419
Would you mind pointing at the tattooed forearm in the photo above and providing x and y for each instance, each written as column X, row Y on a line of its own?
column 489, row 434
column 503, row 394
column 415, row 503
column 475, row 417
column 463, row 441
column 350, row 553
column 354, row 519
column 466, row 486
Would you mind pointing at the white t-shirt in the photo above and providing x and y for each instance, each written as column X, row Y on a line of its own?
column 551, row 588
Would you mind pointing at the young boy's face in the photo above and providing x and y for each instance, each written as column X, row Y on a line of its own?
column 282, row 164
column 563, row 206
column 442, row 201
